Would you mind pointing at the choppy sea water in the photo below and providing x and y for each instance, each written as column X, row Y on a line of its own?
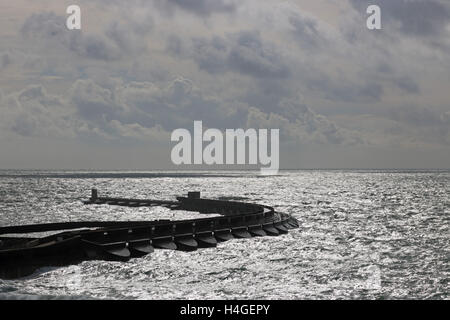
column 362, row 235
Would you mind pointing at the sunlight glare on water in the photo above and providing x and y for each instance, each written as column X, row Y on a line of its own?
column 363, row 234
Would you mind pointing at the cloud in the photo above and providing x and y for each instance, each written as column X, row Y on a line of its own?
column 142, row 110
column 33, row 111
column 117, row 39
column 319, row 75
column 244, row 52
column 300, row 124
column 278, row 72
column 407, row 84
column 420, row 116
column 249, row 54
column 46, row 25
column 306, row 31
column 94, row 102
column 85, row 114
column 345, row 89
column 49, row 27
column 407, row 127
column 5, row 60
column 199, row 7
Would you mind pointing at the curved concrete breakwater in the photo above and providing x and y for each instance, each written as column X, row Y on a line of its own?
column 122, row 240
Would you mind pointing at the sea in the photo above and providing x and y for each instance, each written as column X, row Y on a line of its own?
column 364, row 234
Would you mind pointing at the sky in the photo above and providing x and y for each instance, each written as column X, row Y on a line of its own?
column 109, row 95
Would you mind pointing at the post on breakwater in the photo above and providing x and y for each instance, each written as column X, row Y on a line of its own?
column 94, row 195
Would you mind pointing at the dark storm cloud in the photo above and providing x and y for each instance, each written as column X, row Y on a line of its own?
column 244, row 52
column 142, row 110
column 117, row 39
column 32, row 111
column 306, row 32
column 94, row 102
column 422, row 124
column 415, row 17
column 369, row 90
column 5, row 60
column 45, row 25
column 386, row 72
column 274, row 71
column 420, row 116
column 48, row 26
column 199, row 7
column 268, row 93
column 174, row 45
column 266, row 64
column 298, row 123
column 407, row 84
column 248, row 54
column 128, row 37
column 344, row 89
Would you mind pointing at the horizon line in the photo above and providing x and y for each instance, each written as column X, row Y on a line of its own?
column 210, row 169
